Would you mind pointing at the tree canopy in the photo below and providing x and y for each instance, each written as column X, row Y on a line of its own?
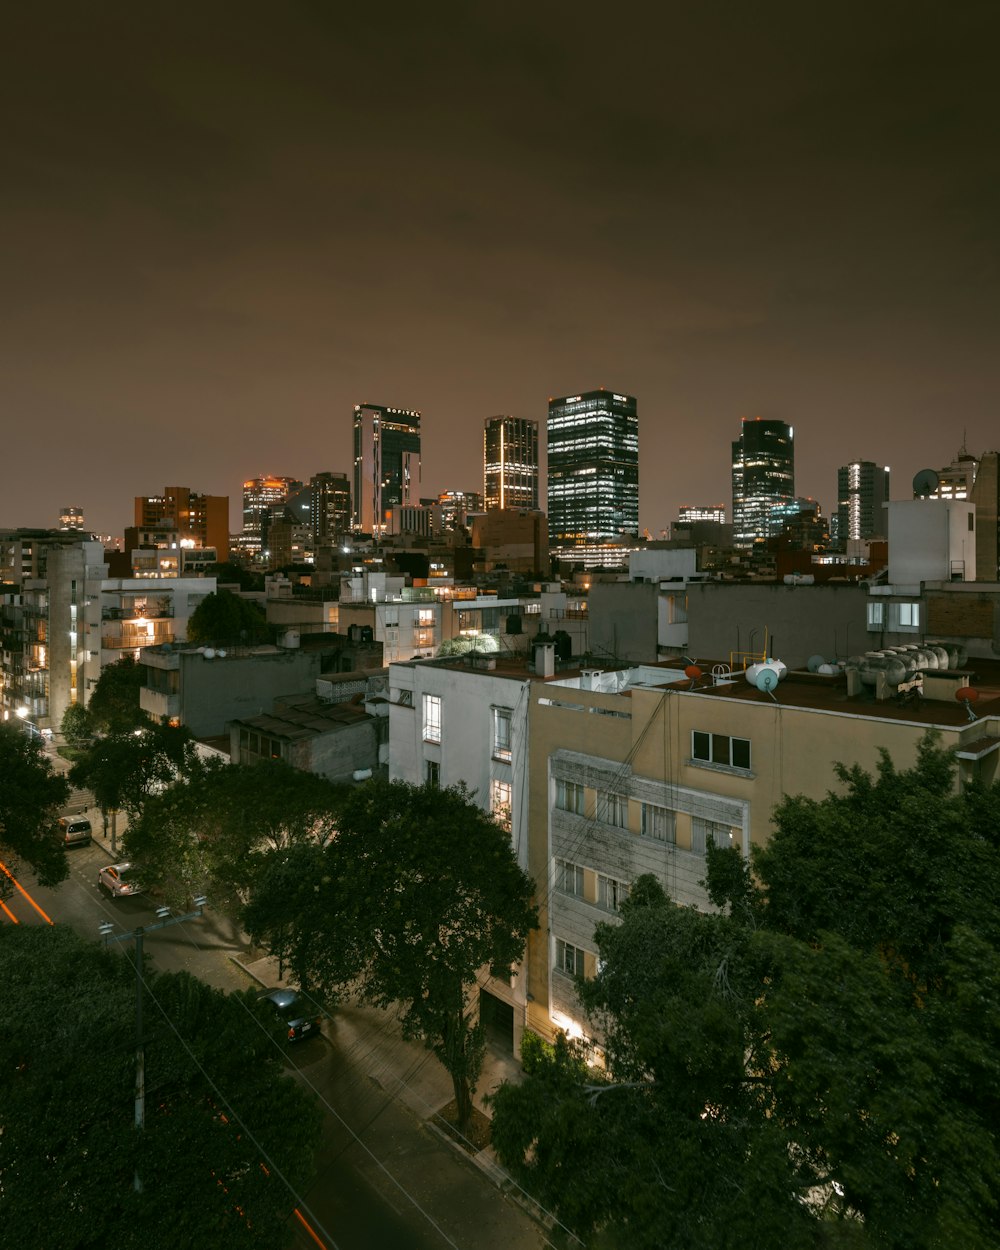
column 819, row 1060
column 114, row 704
column 228, row 620
column 209, row 832
column 416, row 894
column 31, row 793
column 216, row 1099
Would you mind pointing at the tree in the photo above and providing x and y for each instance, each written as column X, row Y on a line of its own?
column 125, row 769
column 77, row 726
column 208, row 832
column 114, row 705
column 218, row 1106
column 417, row 892
column 821, row 1057
column 31, row 794
column 227, row 620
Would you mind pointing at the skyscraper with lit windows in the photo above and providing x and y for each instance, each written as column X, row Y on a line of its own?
column 593, row 478
column 386, row 464
column 862, row 490
column 510, row 463
column 763, row 476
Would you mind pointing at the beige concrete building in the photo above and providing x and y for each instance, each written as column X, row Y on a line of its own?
column 636, row 770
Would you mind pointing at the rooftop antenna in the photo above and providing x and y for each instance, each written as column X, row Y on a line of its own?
column 967, row 695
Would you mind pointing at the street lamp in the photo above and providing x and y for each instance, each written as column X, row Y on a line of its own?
column 106, row 930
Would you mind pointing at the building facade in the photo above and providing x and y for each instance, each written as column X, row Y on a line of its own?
column 763, row 476
column 260, row 496
column 202, row 520
column 862, row 492
column 593, row 478
column 330, row 506
column 386, row 464
column 510, row 463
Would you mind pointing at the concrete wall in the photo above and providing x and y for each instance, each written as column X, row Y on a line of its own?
column 337, row 755
column 799, row 621
column 930, row 540
column 624, row 620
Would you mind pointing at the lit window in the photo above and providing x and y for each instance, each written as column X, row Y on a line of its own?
column 722, row 750
column 432, row 718
column 500, row 801
column 657, row 823
column 876, row 616
column 907, row 615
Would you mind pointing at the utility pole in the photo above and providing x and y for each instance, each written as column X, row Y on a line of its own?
column 136, row 936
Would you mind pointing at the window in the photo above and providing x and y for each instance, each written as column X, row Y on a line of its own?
column 432, row 772
column 500, row 798
column 613, row 809
column 569, row 878
column 404, row 698
column 721, row 749
column 907, row 615
column 611, row 893
column 703, row 831
column 569, row 959
column 570, row 797
column 432, row 718
column 425, row 617
column 501, row 733
column 876, row 616
column 658, row 823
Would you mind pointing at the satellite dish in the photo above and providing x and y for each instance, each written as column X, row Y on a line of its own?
column 925, row 483
column 967, row 694
column 766, row 680
column 209, row 654
column 815, row 663
column 692, row 671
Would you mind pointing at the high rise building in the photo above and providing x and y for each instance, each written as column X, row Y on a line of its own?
column 200, row 519
column 71, row 518
column 386, row 463
column 688, row 514
column 763, row 476
column 260, row 496
column 330, row 506
column 862, row 490
column 510, row 463
column 593, row 478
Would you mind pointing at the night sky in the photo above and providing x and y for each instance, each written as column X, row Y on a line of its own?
column 223, row 225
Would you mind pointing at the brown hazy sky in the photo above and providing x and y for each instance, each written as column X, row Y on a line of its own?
column 222, row 225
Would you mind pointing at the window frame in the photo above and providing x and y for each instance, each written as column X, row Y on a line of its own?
column 432, row 717
column 611, row 892
column 720, row 750
column 571, row 790
column 501, row 740
column 566, row 871
column 668, row 836
column 575, row 955
column 613, row 809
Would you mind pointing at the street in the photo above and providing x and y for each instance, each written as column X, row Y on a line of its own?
column 384, row 1178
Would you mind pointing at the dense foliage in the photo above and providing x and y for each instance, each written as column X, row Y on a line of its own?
column 228, row 620
column 218, row 1106
column 31, row 793
column 817, row 1064
column 209, row 833
column 114, row 704
column 416, row 893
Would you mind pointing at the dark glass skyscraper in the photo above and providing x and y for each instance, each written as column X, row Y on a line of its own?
column 386, row 463
column 593, row 477
column 510, row 463
column 329, row 505
column 763, row 475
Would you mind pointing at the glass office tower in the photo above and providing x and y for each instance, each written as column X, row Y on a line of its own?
column 763, row 476
column 593, row 478
column 386, row 464
column 862, row 490
column 510, row 463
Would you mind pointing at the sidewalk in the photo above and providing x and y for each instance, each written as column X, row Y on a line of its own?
column 410, row 1073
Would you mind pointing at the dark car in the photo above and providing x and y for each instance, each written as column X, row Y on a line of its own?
column 299, row 1016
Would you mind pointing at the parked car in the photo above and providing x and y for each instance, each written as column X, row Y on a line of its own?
column 76, row 830
column 299, row 1016
column 118, row 880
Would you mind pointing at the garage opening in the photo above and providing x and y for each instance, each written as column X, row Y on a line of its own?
column 498, row 1020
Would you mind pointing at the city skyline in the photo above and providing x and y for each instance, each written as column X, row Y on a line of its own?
column 215, row 247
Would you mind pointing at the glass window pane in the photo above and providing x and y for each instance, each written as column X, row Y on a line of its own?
column 702, row 746
column 741, row 753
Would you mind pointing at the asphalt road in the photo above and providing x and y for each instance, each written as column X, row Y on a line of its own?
column 384, row 1179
